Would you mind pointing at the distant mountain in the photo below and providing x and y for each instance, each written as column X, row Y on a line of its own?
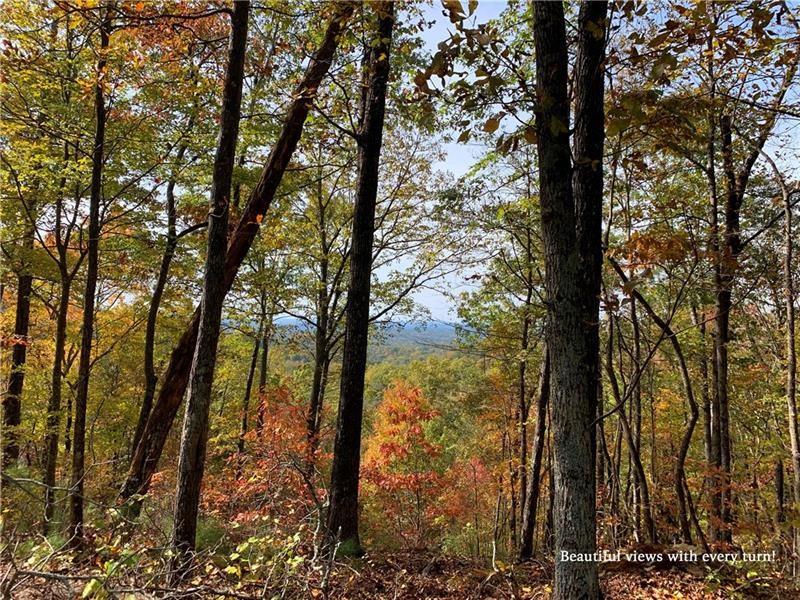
column 397, row 342
column 403, row 342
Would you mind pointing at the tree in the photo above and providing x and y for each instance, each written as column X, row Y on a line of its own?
column 12, row 402
column 399, row 467
column 175, row 379
column 84, row 366
column 342, row 520
column 195, row 425
column 571, row 223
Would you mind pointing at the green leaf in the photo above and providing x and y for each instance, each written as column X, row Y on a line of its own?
column 91, row 588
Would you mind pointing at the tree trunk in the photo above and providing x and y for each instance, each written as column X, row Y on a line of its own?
column 791, row 363
column 342, row 522
column 12, row 403
column 321, row 351
column 640, row 478
column 54, row 404
column 571, row 230
column 176, row 376
column 87, row 332
column 191, row 461
column 523, row 407
column 150, row 377
column 681, row 487
column 532, row 495
column 263, row 370
column 251, row 371
column 780, row 506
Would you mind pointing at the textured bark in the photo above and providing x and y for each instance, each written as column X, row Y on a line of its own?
column 194, row 437
column 342, row 519
column 571, row 230
column 176, row 376
column 87, row 332
column 532, row 494
column 12, row 402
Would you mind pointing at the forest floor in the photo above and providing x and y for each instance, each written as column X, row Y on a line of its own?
column 412, row 576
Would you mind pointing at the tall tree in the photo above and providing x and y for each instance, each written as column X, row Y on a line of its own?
column 531, row 505
column 191, row 461
column 342, row 519
column 176, row 376
column 77, row 483
column 12, row 402
column 571, row 230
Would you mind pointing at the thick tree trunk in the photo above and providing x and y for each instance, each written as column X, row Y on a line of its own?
column 176, row 376
column 87, row 332
column 342, row 521
column 191, row 461
column 12, row 403
column 571, row 229
column 534, row 483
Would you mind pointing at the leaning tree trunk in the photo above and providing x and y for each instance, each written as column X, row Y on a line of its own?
column 150, row 377
column 533, row 492
column 571, row 230
column 12, row 403
column 87, row 332
column 342, row 521
column 194, row 438
column 176, row 376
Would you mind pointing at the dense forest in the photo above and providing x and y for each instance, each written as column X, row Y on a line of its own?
column 395, row 299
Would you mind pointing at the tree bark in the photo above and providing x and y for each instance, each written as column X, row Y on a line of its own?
column 12, row 403
column 646, row 510
column 150, row 377
column 791, row 361
column 87, row 332
column 248, row 388
column 342, row 519
column 176, row 376
column 191, row 460
column 263, row 369
column 534, row 483
column 571, row 229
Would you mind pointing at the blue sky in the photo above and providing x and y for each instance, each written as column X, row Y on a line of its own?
column 458, row 157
